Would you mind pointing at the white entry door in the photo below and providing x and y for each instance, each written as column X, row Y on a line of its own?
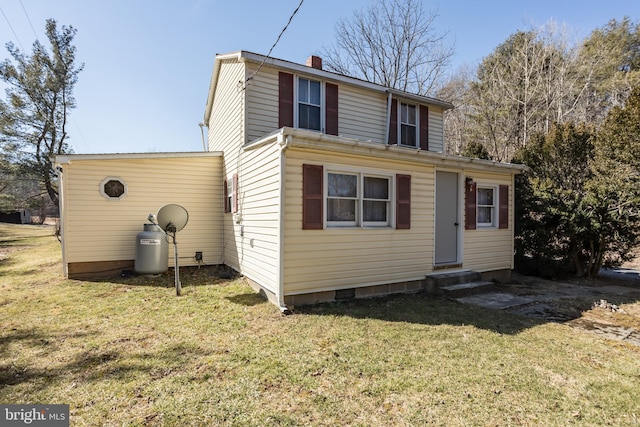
column 446, row 245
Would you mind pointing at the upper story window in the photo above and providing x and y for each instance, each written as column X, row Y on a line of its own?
column 408, row 125
column 309, row 104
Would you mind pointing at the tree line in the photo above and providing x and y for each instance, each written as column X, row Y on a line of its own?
column 571, row 113
column 537, row 78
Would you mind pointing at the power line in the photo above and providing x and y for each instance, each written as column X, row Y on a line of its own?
column 273, row 46
column 12, row 30
column 29, row 19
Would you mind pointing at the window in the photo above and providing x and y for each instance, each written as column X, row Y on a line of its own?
column 486, row 205
column 113, row 188
column 351, row 199
column 309, row 104
column 357, row 199
column 315, row 105
column 408, row 125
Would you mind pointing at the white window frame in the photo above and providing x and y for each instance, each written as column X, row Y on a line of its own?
column 297, row 102
column 494, row 206
column 359, row 206
column 113, row 178
column 416, row 124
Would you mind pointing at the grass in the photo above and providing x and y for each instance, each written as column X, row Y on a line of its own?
column 129, row 352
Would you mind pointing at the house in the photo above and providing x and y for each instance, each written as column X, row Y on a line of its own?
column 315, row 186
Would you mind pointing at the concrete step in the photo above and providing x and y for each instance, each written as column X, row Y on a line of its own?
column 460, row 290
column 434, row 282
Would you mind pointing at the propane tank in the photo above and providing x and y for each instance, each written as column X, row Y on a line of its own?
column 152, row 251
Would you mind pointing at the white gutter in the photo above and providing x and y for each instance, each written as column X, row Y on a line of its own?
column 323, row 142
column 66, row 159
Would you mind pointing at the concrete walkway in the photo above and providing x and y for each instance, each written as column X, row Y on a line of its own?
column 557, row 301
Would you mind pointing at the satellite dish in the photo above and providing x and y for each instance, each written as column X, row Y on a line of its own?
column 172, row 218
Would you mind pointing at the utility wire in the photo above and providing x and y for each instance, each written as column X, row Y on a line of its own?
column 272, row 47
column 29, row 19
column 12, row 30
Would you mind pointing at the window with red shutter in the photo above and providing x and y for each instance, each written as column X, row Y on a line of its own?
column 403, row 202
column 393, row 123
column 424, row 127
column 285, row 100
column 312, row 197
column 227, row 202
column 470, row 205
column 503, row 211
column 331, row 109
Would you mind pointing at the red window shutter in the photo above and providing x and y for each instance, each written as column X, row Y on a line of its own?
column 285, row 100
column 503, row 212
column 227, row 208
column 331, row 109
column 470, row 205
column 424, row 127
column 234, row 200
column 393, row 123
column 312, row 197
column 403, row 202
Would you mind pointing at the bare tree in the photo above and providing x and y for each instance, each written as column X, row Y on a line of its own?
column 393, row 43
column 457, row 121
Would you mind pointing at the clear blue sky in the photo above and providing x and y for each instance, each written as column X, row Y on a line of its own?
column 148, row 63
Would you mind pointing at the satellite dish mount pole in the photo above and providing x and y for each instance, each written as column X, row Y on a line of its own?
column 172, row 218
column 171, row 230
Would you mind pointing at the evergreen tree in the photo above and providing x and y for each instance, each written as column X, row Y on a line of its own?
column 39, row 101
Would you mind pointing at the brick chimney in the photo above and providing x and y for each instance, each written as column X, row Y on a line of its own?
column 314, row 62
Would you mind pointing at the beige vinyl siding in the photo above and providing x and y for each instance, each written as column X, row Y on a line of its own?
column 227, row 114
column 226, row 134
column 487, row 249
column 362, row 114
column 262, row 102
column 255, row 233
column 351, row 257
column 436, row 129
column 99, row 229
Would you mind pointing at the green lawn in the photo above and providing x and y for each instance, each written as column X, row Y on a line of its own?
column 129, row 352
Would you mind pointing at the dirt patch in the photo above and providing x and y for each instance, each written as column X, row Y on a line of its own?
column 608, row 306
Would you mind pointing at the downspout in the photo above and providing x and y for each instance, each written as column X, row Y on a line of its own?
column 512, row 214
column 62, row 210
column 284, row 144
column 386, row 135
column 204, row 146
